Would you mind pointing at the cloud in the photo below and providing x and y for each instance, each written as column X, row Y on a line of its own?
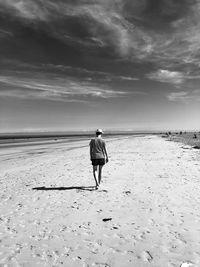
column 133, row 28
column 174, row 77
column 89, row 74
column 165, row 33
column 128, row 78
column 80, row 72
column 30, row 10
column 55, row 88
column 166, row 76
column 184, row 96
column 6, row 34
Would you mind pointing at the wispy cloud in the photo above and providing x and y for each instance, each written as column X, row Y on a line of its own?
column 80, row 72
column 58, row 89
column 167, row 76
column 174, row 77
column 184, row 96
column 98, row 75
column 128, row 78
column 6, row 34
column 29, row 9
column 163, row 33
column 143, row 30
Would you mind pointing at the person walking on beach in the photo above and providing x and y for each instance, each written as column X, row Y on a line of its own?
column 98, row 155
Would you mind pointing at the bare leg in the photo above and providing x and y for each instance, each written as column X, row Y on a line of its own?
column 100, row 172
column 94, row 173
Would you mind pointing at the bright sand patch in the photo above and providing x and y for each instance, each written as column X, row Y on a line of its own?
column 150, row 192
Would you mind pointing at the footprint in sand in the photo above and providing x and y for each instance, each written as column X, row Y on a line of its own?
column 127, row 192
column 141, row 236
column 146, row 256
column 101, row 264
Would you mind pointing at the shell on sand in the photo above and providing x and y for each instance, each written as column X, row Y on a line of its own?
column 187, row 264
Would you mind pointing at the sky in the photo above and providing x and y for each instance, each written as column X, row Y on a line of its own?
column 112, row 64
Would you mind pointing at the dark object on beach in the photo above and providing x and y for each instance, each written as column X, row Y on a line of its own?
column 196, row 147
column 194, row 136
column 127, row 192
column 107, row 219
column 181, row 132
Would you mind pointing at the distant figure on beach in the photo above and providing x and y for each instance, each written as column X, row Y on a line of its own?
column 98, row 155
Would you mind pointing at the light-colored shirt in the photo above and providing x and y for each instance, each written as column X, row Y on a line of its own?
column 97, row 146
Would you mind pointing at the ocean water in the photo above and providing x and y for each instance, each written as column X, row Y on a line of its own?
column 31, row 139
column 20, row 145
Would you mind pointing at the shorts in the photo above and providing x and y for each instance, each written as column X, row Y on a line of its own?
column 96, row 162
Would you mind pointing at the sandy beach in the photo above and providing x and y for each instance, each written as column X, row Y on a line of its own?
column 145, row 213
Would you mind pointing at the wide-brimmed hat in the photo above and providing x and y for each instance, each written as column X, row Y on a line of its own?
column 100, row 131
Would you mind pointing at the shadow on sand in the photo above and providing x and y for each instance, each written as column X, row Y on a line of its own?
column 87, row 188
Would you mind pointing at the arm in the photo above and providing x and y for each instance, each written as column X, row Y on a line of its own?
column 106, row 153
column 90, row 150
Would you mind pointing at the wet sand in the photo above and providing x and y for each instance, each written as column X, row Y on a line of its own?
column 145, row 213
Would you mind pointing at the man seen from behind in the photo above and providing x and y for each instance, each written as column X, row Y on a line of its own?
column 98, row 155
